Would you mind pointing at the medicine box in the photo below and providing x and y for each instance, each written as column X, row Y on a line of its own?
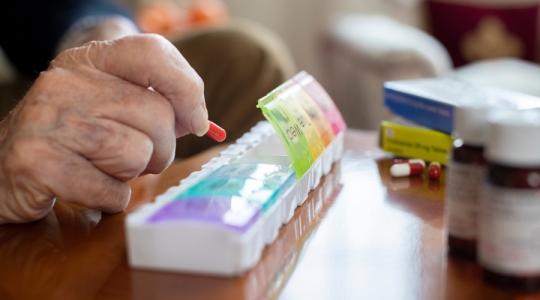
column 431, row 102
column 406, row 140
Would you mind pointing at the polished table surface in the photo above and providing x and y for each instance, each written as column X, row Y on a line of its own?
column 360, row 235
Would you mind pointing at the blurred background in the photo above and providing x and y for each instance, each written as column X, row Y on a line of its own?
column 354, row 46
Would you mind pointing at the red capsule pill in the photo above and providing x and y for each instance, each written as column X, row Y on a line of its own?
column 216, row 133
column 434, row 170
column 406, row 169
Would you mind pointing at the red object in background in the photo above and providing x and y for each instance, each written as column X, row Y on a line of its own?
column 481, row 31
column 167, row 18
column 207, row 12
column 163, row 18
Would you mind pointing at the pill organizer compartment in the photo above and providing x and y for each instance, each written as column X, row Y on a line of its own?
column 163, row 236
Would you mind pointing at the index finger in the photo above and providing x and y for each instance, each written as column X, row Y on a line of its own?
column 150, row 60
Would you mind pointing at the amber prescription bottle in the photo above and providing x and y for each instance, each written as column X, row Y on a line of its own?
column 509, row 219
column 465, row 173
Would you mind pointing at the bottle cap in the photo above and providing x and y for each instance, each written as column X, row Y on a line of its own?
column 513, row 138
column 470, row 124
column 471, row 119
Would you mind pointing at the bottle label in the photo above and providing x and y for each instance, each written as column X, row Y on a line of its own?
column 509, row 230
column 462, row 193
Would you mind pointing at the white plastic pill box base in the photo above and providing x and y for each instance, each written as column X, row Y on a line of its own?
column 198, row 247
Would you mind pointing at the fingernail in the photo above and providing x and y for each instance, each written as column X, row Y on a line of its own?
column 199, row 121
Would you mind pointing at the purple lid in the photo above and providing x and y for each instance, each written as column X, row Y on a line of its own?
column 230, row 212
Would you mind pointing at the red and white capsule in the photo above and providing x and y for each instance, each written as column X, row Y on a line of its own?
column 406, row 169
column 409, row 160
column 434, row 170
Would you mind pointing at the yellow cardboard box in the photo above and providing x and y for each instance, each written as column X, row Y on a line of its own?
column 415, row 142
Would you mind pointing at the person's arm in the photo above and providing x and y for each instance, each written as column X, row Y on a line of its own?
column 32, row 32
column 90, row 123
column 96, row 28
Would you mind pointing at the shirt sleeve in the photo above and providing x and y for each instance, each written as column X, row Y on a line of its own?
column 31, row 30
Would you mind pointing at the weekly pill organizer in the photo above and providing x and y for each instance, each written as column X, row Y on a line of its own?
column 219, row 219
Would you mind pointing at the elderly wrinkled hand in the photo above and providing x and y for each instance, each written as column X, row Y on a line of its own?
column 102, row 114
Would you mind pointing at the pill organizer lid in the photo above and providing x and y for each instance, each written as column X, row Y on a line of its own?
column 514, row 138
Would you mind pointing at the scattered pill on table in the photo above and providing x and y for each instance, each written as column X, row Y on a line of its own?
column 406, row 169
column 434, row 170
column 409, row 160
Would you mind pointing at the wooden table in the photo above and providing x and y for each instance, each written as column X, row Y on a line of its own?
column 368, row 237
